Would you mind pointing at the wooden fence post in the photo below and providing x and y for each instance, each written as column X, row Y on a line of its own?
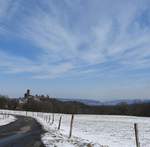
column 71, row 125
column 136, row 135
column 59, row 122
column 49, row 119
column 53, row 118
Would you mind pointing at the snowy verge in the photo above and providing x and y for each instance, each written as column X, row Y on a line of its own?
column 4, row 120
column 54, row 137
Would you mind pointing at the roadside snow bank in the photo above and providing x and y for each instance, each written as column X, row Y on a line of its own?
column 55, row 137
column 4, row 120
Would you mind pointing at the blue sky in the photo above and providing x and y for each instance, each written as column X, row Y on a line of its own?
column 96, row 49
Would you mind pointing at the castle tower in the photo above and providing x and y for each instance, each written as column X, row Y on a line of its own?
column 27, row 94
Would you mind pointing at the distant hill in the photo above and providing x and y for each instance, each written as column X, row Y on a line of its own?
column 106, row 103
column 84, row 101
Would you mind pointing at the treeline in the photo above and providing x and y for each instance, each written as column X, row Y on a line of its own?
column 56, row 106
column 7, row 103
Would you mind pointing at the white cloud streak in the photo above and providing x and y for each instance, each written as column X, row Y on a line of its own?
column 72, row 37
column 15, row 65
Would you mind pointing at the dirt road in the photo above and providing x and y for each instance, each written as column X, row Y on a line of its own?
column 24, row 132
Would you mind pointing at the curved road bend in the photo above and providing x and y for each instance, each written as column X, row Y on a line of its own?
column 24, row 132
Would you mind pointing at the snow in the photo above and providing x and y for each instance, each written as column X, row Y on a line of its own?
column 97, row 130
column 55, row 138
column 112, row 131
column 4, row 120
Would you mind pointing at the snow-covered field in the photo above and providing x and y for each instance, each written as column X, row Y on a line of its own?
column 109, row 131
column 113, row 131
column 4, row 120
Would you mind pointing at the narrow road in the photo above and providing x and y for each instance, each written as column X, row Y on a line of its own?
column 24, row 132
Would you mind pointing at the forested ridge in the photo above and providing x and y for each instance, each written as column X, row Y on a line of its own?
column 53, row 105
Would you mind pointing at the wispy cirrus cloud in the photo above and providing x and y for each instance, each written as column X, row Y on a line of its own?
column 79, row 35
column 15, row 65
column 4, row 5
